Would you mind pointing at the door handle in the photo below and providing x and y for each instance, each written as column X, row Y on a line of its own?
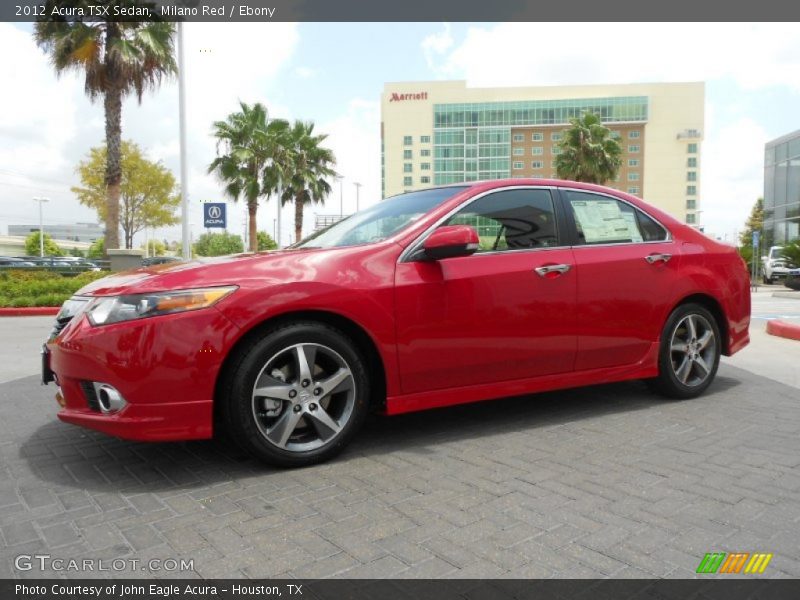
column 654, row 258
column 552, row 270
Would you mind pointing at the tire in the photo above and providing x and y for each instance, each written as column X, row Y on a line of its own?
column 765, row 279
column 290, row 415
column 680, row 348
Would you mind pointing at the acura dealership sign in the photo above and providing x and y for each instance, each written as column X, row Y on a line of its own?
column 214, row 214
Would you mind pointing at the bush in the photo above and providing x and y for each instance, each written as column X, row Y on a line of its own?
column 23, row 288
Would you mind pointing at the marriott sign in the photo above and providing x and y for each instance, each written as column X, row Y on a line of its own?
column 395, row 97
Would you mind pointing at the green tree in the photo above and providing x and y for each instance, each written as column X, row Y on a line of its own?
column 588, row 151
column 309, row 166
column 117, row 58
column 97, row 249
column 155, row 248
column 755, row 222
column 148, row 190
column 32, row 245
column 218, row 244
column 265, row 241
column 250, row 151
column 792, row 252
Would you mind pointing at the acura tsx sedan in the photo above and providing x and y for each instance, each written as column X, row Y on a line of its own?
column 428, row 299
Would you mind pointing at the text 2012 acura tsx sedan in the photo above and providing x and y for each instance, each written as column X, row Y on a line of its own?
column 428, row 299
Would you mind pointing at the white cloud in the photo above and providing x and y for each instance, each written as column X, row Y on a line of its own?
column 754, row 55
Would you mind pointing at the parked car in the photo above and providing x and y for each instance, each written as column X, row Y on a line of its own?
column 793, row 279
column 63, row 264
column 775, row 266
column 159, row 260
column 11, row 262
column 428, row 299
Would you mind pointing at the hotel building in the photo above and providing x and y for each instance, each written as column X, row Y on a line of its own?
column 440, row 132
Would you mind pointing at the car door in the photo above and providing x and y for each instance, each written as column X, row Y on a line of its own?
column 506, row 312
column 627, row 266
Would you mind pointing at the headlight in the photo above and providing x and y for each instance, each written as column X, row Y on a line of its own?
column 114, row 309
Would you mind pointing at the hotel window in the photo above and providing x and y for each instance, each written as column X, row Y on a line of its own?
column 407, row 154
column 691, row 176
column 407, row 181
column 692, row 162
column 424, row 179
column 518, row 137
column 691, row 218
column 692, row 148
column 537, row 136
column 633, row 190
column 519, row 165
column 634, row 134
column 537, row 164
column 691, row 204
column 407, row 140
column 537, row 150
column 425, row 166
column 407, row 167
column 519, row 151
column 691, row 190
column 425, row 152
column 633, row 162
column 425, row 139
column 633, row 177
column 615, row 135
column 553, row 165
column 555, row 150
column 634, row 149
column 555, row 137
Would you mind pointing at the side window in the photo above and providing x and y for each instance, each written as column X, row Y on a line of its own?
column 604, row 220
column 511, row 220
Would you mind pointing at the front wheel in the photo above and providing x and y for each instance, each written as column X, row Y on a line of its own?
column 297, row 396
column 689, row 354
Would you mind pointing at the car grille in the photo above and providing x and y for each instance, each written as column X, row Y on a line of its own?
column 58, row 326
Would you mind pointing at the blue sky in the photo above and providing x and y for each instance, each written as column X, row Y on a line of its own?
column 334, row 73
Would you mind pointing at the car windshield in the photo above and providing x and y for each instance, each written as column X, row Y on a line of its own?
column 380, row 220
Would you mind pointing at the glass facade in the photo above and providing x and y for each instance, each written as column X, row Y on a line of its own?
column 782, row 191
column 472, row 141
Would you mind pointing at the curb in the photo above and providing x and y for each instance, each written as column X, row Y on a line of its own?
column 30, row 311
column 783, row 329
column 792, row 295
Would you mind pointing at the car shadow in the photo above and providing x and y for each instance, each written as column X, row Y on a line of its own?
column 70, row 457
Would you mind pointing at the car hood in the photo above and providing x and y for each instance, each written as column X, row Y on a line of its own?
column 266, row 267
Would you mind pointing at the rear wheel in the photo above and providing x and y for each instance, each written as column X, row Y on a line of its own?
column 297, row 396
column 689, row 354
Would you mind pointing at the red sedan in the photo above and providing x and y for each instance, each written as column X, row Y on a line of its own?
column 428, row 299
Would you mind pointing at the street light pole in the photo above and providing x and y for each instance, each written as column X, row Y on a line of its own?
column 358, row 189
column 41, row 201
column 339, row 178
column 187, row 250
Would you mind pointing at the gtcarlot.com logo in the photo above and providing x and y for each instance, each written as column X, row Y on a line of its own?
column 47, row 562
column 734, row 562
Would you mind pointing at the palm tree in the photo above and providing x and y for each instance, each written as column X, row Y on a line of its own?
column 588, row 151
column 252, row 147
column 310, row 166
column 117, row 58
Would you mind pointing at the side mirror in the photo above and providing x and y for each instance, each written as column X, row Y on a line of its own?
column 451, row 241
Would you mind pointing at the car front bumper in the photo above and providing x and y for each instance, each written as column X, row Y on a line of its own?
column 164, row 367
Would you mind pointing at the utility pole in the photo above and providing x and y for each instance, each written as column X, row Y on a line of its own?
column 358, row 189
column 278, row 220
column 41, row 201
column 340, row 179
column 187, row 250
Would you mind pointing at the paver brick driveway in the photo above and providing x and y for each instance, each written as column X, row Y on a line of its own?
column 602, row 481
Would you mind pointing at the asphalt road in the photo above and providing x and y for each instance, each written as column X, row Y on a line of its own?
column 596, row 482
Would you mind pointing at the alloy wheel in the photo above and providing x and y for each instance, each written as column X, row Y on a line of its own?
column 303, row 397
column 693, row 350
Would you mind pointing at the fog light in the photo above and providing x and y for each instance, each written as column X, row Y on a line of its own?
column 109, row 399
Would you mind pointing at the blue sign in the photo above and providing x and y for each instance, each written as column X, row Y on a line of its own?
column 756, row 238
column 214, row 214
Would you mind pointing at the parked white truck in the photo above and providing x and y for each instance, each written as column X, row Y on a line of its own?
column 775, row 266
